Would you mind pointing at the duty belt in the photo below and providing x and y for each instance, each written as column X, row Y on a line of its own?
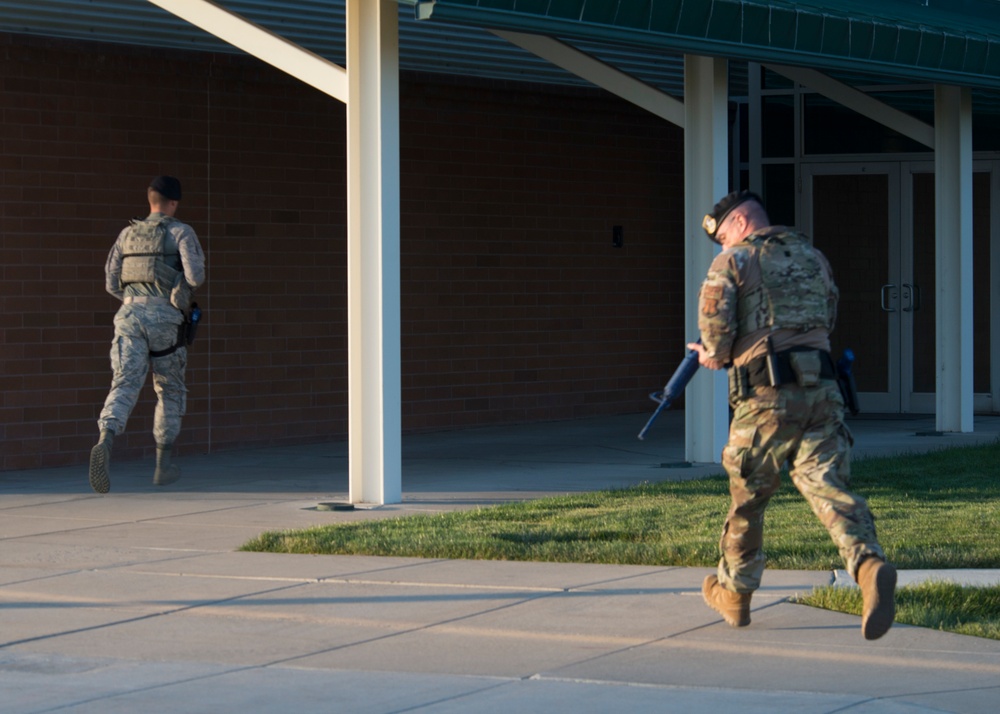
column 757, row 373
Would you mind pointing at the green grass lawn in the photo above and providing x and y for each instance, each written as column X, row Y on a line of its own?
column 937, row 605
column 939, row 510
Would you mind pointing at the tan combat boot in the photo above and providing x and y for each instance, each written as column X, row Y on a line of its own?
column 734, row 607
column 877, row 580
column 100, row 462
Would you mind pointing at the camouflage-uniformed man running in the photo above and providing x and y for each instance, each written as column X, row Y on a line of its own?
column 765, row 312
column 153, row 267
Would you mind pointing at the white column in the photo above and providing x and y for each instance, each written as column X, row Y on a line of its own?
column 375, row 428
column 994, row 286
column 953, row 274
column 706, row 171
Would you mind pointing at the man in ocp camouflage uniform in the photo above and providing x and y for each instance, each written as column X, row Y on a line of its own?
column 765, row 313
column 153, row 268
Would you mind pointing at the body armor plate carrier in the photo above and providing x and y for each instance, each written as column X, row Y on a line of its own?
column 147, row 256
column 794, row 293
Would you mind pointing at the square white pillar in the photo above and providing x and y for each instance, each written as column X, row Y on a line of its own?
column 373, row 284
column 706, row 171
column 953, row 268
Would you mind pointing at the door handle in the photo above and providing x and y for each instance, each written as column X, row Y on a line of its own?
column 888, row 290
column 912, row 294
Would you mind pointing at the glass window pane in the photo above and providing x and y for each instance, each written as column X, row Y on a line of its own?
column 924, row 327
column 778, row 120
column 858, row 251
column 779, row 193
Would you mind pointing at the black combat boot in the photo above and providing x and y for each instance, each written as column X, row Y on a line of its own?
column 100, row 462
column 166, row 472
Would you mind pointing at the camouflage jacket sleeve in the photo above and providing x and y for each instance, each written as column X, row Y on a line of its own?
column 192, row 256
column 113, row 268
column 833, row 296
column 717, row 305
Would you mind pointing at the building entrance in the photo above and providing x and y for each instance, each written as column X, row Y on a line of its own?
column 875, row 223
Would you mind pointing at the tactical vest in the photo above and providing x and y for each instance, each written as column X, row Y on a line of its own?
column 794, row 292
column 147, row 256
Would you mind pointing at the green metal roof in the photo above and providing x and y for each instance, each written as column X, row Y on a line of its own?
column 630, row 35
column 953, row 42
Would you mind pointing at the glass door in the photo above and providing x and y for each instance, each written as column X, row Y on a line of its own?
column 851, row 211
column 876, row 225
column 919, row 187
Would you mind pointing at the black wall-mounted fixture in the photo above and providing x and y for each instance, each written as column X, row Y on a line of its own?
column 617, row 237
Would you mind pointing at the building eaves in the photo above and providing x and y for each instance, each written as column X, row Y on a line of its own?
column 957, row 42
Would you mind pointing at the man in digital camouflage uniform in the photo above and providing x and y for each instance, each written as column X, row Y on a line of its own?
column 765, row 312
column 153, row 267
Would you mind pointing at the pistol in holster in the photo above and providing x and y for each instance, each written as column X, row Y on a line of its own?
column 190, row 325
column 803, row 366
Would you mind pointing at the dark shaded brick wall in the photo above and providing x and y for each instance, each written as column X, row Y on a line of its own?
column 516, row 306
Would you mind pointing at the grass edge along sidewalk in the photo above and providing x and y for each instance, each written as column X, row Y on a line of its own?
column 936, row 510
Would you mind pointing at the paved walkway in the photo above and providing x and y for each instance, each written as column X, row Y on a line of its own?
column 138, row 601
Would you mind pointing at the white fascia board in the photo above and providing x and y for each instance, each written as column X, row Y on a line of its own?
column 599, row 73
column 261, row 43
column 860, row 102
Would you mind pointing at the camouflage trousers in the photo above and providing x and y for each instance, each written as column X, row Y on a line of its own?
column 140, row 329
column 804, row 428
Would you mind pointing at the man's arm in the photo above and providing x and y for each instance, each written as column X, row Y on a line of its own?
column 192, row 256
column 113, row 269
column 717, row 314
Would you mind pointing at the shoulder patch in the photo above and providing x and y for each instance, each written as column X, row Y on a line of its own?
column 712, row 292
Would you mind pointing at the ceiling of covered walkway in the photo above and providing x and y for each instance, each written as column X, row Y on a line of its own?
column 318, row 25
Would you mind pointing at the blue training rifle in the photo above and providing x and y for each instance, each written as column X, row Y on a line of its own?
column 845, row 378
column 675, row 387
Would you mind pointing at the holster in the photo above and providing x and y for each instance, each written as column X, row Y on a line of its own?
column 190, row 330
column 739, row 386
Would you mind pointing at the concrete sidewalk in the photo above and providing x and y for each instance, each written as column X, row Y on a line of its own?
column 138, row 600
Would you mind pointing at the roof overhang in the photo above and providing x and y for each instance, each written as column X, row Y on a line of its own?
column 947, row 42
column 318, row 26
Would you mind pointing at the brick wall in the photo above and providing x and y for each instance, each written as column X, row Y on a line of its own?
column 516, row 307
